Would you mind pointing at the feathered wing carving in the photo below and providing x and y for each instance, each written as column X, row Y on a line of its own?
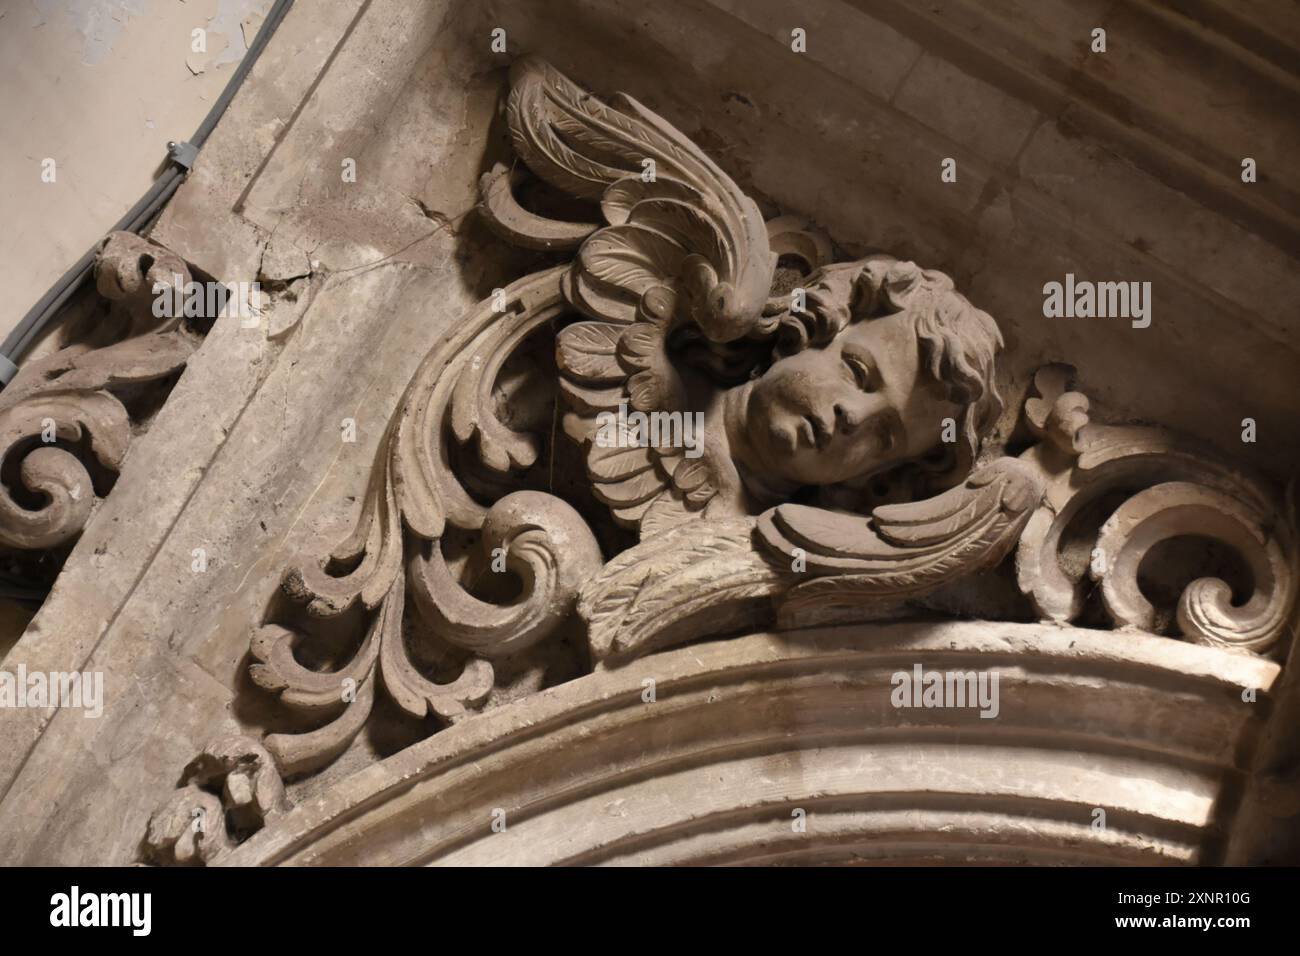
column 687, row 581
column 905, row 550
column 804, row 565
column 612, row 376
column 682, row 244
column 674, row 218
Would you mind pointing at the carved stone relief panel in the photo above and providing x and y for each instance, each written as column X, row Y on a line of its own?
column 751, row 430
column 600, row 460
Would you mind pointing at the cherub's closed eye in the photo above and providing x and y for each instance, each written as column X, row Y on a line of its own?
column 859, row 372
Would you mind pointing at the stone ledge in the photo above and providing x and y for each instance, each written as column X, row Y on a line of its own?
column 808, row 713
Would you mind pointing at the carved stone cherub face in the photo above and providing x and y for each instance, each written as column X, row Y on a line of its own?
column 858, row 405
column 886, row 353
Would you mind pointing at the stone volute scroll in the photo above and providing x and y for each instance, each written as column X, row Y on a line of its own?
column 1170, row 488
column 763, row 435
column 68, row 418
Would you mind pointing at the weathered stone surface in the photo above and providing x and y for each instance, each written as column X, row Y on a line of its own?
column 742, row 733
column 374, row 540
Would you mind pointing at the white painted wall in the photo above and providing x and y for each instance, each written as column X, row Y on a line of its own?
column 99, row 86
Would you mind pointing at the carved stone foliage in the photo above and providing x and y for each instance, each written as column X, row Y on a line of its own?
column 1171, row 488
column 65, row 419
column 788, row 438
column 227, row 793
column 414, row 497
column 747, row 732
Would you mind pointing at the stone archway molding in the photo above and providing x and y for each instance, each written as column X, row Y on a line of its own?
column 746, row 739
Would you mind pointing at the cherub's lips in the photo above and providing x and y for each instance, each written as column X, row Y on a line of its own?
column 803, row 431
column 814, row 433
column 799, row 431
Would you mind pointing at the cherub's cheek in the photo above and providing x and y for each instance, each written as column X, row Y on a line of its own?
column 781, row 439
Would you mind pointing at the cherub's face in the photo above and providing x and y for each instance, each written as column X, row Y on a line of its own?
column 856, row 406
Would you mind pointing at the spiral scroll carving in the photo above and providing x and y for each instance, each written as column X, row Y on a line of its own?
column 1174, row 489
column 395, row 553
column 63, row 417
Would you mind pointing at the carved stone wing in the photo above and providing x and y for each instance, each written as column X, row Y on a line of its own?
column 676, row 586
column 610, row 374
column 674, row 218
column 681, row 245
column 904, row 550
column 804, row 565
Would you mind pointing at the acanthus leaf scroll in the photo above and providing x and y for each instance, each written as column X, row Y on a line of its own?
column 1175, row 488
column 674, row 305
column 68, row 418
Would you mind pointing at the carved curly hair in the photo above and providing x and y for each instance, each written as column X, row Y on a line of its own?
column 958, row 342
